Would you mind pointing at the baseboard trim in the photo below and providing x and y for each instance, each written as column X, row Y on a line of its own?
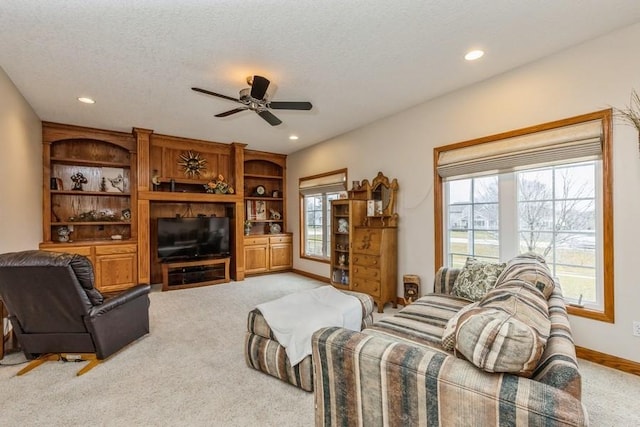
column 608, row 360
column 311, row 275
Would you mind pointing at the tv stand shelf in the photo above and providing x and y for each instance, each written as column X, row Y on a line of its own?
column 191, row 274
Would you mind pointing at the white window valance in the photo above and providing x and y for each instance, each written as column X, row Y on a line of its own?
column 331, row 183
column 582, row 140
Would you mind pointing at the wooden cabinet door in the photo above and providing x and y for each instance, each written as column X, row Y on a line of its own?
column 256, row 258
column 280, row 256
column 116, row 268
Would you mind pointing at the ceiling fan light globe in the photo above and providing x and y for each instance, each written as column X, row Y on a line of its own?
column 245, row 94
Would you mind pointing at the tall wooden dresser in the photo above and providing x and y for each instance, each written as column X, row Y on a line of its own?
column 375, row 264
column 364, row 256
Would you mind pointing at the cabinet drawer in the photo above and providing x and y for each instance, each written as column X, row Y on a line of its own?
column 366, row 286
column 279, row 239
column 115, row 249
column 249, row 241
column 366, row 260
column 367, row 241
column 366, row 272
column 80, row 250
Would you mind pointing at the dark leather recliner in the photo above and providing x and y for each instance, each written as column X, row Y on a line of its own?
column 56, row 312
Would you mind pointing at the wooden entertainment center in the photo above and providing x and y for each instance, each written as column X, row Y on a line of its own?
column 103, row 192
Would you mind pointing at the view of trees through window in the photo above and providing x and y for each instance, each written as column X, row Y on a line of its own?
column 551, row 211
column 317, row 224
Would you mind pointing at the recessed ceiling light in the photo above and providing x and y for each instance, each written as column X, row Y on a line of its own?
column 473, row 55
column 86, row 100
column 293, row 137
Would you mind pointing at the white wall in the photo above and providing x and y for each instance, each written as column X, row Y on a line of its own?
column 590, row 77
column 20, row 171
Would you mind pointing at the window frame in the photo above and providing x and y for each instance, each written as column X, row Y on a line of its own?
column 605, row 116
column 302, row 214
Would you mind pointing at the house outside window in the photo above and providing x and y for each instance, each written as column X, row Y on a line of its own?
column 316, row 194
column 551, row 211
column 545, row 190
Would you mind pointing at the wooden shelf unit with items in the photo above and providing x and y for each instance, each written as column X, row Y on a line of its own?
column 345, row 216
column 89, row 200
column 189, row 180
column 267, row 245
column 372, row 262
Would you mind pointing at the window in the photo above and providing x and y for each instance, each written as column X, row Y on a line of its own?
column 472, row 220
column 557, row 206
column 316, row 193
column 550, row 211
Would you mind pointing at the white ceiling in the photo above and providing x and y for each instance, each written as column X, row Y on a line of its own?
column 356, row 60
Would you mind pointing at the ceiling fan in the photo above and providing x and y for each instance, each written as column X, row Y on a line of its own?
column 256, row 99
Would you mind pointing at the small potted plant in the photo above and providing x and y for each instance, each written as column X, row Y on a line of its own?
column 247, row 227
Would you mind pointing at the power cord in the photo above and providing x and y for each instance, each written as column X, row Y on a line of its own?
column 13, row 364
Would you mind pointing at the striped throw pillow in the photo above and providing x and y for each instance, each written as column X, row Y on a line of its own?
column 507, row 331
column 449, row 334
column 531, row 268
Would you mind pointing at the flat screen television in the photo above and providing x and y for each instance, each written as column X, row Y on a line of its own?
column 192, row 238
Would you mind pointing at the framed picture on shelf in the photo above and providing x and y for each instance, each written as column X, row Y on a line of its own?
column 113, row 179
column 256, row 210
column 56, row 184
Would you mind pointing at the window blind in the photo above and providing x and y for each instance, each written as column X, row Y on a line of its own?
column 332, row 183
column 581, row 140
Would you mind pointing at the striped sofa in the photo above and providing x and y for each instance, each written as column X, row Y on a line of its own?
column 264, row 353
column 396, row 373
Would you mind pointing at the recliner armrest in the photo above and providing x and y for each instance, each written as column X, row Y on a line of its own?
column 118, row 300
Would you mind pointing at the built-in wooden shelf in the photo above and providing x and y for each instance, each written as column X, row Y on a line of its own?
column 168, row 196
column 262, row 176
column 90, row 193
column 85, row 162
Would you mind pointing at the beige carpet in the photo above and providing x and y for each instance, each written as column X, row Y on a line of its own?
column 190, row 371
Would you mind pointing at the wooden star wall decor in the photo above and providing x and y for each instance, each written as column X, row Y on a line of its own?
column 192, row 164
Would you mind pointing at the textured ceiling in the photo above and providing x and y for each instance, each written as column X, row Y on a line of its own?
column 356, row 60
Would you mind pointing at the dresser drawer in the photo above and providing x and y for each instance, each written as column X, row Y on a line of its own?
column 366, row 272
column 280, row 239
column 366, row 260
column 366, row 286
column 250, row 241
column 367, row 241
column 115, row 249
column 80, row 250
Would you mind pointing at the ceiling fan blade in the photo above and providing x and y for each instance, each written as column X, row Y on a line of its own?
column 290, row 105
column 197, row 89
column 273, row 120
column 230, row 112
column 259, row 87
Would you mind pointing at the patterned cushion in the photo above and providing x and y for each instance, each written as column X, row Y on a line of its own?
column 476, row 279
column 507, row 331
column 449, row 334
column 531, row 268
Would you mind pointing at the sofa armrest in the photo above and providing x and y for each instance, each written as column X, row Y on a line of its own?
column 372, row 380
column 444, row 279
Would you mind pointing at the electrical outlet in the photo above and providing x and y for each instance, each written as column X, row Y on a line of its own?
column 636, row 328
